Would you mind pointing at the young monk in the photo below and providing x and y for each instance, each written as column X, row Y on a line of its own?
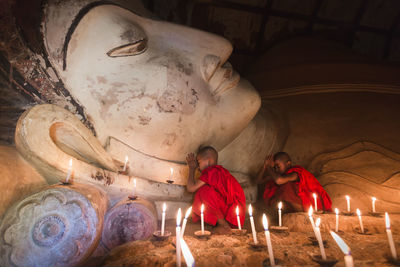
column 217, row 189
column 293, row 185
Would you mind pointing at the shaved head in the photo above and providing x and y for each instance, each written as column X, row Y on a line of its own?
column 208, row 152
column 282, row 156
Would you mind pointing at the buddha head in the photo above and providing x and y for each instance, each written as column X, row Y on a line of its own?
column 161, row 88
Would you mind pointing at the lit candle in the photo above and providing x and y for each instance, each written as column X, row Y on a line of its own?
column 268, row 238
column 280, row 213
column 348, row 203
column 69, row 171
column 373, row 204
column 187, row 255
column 238, row 218
column 164, row 208
column 348, row 259
column 337, row 220
column 319, row 238
column 202, row 219
column 172, row 173
column 310, row 213
column 134, row 187
column 315, row 201
column 360, row 220
column 178, row 239
column 390, row 237
column 126, row 161
column 253, row 229
column 188, row 211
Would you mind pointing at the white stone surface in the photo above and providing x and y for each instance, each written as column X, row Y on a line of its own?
column 157, row 101
column 175, row 92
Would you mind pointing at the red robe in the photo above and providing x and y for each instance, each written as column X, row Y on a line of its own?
column 220, row 195
column 305, row 187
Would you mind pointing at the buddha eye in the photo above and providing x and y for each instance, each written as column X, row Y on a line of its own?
column 131, row 49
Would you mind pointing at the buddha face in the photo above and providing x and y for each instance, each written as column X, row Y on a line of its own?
column 161, row 88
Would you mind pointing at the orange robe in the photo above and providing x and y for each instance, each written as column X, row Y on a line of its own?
column 300, row 191
column 220, row 195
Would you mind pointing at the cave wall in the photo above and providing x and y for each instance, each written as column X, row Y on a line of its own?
column 331, row 97
column 341, row 111
column 328, row 122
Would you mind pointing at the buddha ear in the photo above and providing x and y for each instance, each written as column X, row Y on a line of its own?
column 74, row 143
column 49, row 136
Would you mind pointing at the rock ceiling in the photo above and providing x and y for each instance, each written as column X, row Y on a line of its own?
column 371, row 28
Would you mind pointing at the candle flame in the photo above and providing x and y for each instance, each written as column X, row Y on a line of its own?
column 280, row 205
column 310, row 211
column 178, row 218
column 342, row 245
column 337, row 211
column 134, row 182
column 373, row 199
column 347, row 197
column 314, row 195
column 187, row 255
column 172, row 170
column 237, row 210
column 318, row 222
column 202, row 208
column 70, row 162
column 250, row 210
column 387, row 220
column 164, row 207
column 358, row 212
column 188, row 211
column 265, row 222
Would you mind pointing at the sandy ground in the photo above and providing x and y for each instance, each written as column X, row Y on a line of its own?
column 292, row 248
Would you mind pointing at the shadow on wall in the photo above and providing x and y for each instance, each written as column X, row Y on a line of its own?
column 332, row 98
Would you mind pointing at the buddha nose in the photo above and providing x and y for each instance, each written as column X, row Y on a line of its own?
column 215, row 57
column 208, row 50
column 209, row 66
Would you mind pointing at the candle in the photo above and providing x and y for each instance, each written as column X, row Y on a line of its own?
column 178, row 239
column 268, row 238
column 360, row 220
column 134, row 187
column 337, row 220
column 390, row 237
column 373, row 204
column 280, row 213
column 188, row 211
column 319, row 238
column 253, row 229
column 202, row 219
column 310, row 213
column 164, row 208
column 126, row 161
column 348, row 203
column 69, row 171
column 238, row 218
column 348, row 259
column 187, row 255
column 315, row 201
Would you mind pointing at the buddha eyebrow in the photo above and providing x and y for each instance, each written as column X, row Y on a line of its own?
column 78, row 18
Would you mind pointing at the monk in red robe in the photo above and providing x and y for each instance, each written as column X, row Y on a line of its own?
column 217, row 189
column 292, row 185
